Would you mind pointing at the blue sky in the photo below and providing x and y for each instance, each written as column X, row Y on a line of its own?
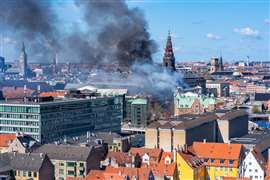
column 202, row 29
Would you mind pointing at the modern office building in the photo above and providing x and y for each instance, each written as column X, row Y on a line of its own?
column 48, row 120
column 137, row 112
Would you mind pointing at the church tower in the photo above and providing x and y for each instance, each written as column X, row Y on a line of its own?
column 23, row 62
column 221, row 67
column 168, row 58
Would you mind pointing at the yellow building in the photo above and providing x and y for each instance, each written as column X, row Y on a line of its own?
column 222, row 160
column 189, row 166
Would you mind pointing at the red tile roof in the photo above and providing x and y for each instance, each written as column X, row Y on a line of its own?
column 16, row 92
column 153, row 153
column 163, row 168
column 218, row 152
column 6, row 139
column 120, row 157
column 142, row 173
column 53, row 94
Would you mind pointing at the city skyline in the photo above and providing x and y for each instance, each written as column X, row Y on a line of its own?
column 199, row 29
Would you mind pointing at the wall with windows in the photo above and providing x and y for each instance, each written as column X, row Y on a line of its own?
column 251, row 168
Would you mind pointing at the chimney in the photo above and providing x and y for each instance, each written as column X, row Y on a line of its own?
column 204, row 140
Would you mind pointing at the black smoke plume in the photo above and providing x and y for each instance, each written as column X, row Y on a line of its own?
column 115, row 33
column 32, row 20
column 121, row 33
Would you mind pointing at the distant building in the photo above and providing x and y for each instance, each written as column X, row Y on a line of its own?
column 28, row 166
column 168, row 58
column 3, row 66
column 23, row 67
column 193, row 80
column 252, row 88
column 47, row 120
column 172, row 133
column 137, row 112
column 221, row 159
column 216, row 65
column 191, row 103
column 218, row 88
column 72, row 161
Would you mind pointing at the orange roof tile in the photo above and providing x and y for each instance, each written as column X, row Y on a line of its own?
column 120, row 157
column 16, row 92
column 217, row 152
column 141, row 173
column 162, row 168
column 6, row 139
column 153, row 153
column 52, row 94
column 95, row 175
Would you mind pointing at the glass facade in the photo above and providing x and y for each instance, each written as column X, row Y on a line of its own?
column 49, row 121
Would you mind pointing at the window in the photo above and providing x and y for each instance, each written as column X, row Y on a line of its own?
column 62, row 164
column 71, row 164
column 212, row 161
column 256, row 170
column 29, row 174
column 35, row 174
column 256, row 177
column 70, row 173
column 81, row 173
column 249, row 170
column 24, row 173
column 221, row 161
column 250, row 163
column 81, row 164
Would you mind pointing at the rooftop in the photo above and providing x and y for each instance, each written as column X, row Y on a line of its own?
column 64, row 152
column 184, row 121
column 139, row 101
column 6, row 139
column 28, row 161
column 220, row 153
